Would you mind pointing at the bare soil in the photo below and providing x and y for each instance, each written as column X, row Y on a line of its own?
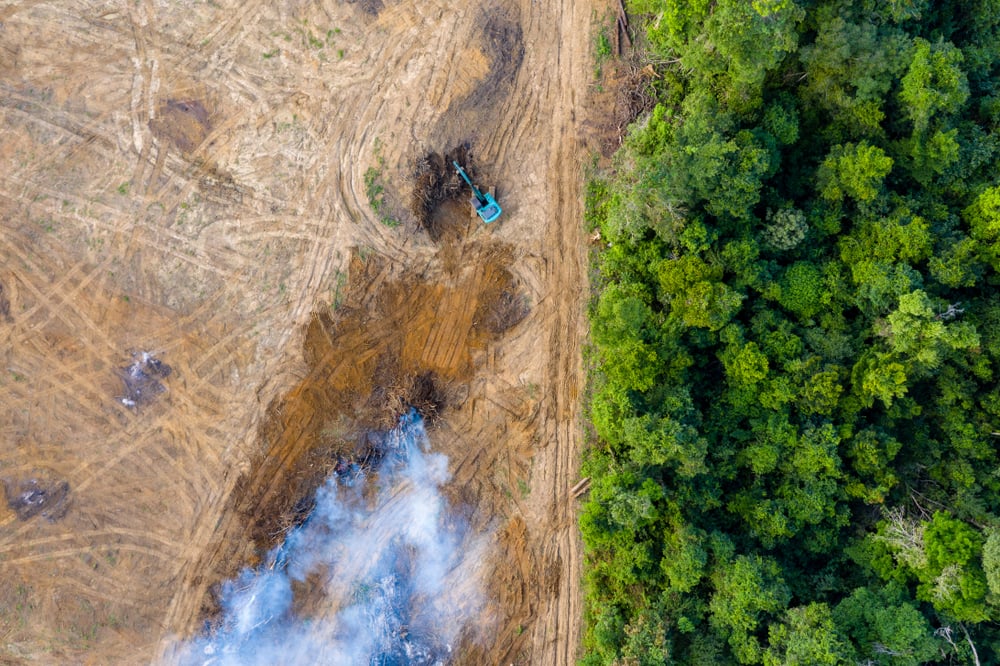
column 201, row 311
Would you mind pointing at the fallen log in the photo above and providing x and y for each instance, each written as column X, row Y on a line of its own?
column 582, row 486
column 623, row 23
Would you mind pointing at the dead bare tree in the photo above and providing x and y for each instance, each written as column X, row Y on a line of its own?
column 952, row 312
column 883, row 649
column 975, row 653
column 945, row 633
column 906, row 536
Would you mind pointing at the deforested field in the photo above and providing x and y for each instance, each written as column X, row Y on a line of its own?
column 232, row 253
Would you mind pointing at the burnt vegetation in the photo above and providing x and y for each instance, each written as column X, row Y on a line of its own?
column 37, row 496
column 142, row 380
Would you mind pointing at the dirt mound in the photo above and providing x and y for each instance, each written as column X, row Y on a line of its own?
column 502, row 308
column 4, row 306
column 184, row 123
column 370, row 7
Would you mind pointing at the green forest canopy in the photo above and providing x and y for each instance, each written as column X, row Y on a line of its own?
column 796, row 341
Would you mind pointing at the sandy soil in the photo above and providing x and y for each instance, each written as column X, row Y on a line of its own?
column 190, row 181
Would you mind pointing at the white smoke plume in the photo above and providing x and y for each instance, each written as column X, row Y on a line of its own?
column 398, row 570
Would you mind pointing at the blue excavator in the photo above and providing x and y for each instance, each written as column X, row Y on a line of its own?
column 485, row 205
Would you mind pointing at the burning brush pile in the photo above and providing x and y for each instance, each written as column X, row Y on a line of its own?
column 142, row 380
column 381, row 572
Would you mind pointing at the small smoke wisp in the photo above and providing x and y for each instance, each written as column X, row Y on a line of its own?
column 394, row 569
column 142, row 380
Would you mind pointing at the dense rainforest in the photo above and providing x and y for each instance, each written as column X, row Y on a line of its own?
column 795, row 341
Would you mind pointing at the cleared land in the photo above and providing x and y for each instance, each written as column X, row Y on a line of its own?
column 197, row 182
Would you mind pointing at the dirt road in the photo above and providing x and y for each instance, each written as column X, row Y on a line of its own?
column 196, row 182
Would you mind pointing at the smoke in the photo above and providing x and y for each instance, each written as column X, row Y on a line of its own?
column 389, row 574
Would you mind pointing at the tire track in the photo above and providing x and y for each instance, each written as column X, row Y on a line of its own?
column 82, row 550
column 139, row 535
column 154, row 238
column 59, row 294
column 556, row 636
